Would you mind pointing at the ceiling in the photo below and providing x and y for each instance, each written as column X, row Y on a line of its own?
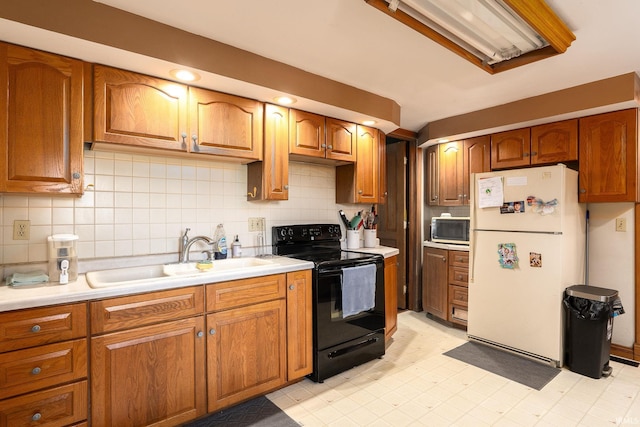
column 355, row 44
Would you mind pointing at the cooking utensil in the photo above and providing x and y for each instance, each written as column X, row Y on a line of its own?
column 344, row 219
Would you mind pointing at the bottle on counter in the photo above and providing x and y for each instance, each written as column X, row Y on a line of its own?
column 236, row 248
column 220, row 245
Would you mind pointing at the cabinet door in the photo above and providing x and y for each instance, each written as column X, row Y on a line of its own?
column 149, row 375
column 382, row 155
column 431, row 174
column 450, row 171
column 510, row 149
column 434, row 288
column 367, row 165
column 341, row 140
column 299, row 325
column 246, row 352
column 608, row 164
column 477, row 158
column 139, row 110
column 306, row 134
column 225, row 125
column 269, row 179
column 390, row 296
column 554, row 142
column 42, row 122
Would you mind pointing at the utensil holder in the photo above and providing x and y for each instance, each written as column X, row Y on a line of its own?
column 353, row 239
column 370, row 238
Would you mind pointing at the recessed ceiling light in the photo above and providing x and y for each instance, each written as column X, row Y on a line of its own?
column 284, row 100
column 443, row 140
column 369, row 122
column 185, row 75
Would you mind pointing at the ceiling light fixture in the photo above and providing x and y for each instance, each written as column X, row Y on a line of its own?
column 284, row 100
column 495, row 35
column 184, row 75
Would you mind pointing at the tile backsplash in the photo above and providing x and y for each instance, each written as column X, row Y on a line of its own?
column 140, row 205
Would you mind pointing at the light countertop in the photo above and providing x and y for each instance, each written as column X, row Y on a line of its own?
column 44, row 294
column 447, row 246
column 385, row 251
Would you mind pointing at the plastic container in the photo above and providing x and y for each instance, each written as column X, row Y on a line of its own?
column 588, row 328
column 220, row 247
column 63, row 258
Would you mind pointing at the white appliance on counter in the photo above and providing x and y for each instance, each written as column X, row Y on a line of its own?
column 527, row 246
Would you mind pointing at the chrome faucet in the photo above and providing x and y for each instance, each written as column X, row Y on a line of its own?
column 186, row 244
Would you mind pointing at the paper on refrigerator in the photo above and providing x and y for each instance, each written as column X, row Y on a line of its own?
column 490, row 192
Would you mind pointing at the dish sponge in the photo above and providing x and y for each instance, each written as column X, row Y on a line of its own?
column 204, row 265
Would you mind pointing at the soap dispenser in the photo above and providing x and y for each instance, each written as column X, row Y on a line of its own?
column 236, row 248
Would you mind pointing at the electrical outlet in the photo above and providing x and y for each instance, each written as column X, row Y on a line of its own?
column 256, row 224
column 21, row 229
column 621, row 224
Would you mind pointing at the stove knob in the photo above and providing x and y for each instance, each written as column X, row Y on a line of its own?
column 290, row 232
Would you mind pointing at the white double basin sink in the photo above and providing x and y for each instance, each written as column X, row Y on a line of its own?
column 131, row 276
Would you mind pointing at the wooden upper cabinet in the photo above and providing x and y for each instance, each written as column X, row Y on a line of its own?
column 554, row 142
column 510, row 149
column 476, row 158
column 359, row 182
column 608, row 157
column 42, row 122
column 341, row 140
column 450, row 173
column 382, row 156
column 431, row 164
column 307, row 134
column 138, row 110
column 225, row 125
column 322, row 137
column 269, row 179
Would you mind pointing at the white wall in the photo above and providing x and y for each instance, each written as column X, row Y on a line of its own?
column 139, row 205
column 611, row 261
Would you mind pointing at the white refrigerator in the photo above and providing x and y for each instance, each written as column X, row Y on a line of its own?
column 527, row 246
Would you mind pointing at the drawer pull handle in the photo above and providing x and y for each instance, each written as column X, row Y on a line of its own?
column 212, row 331
column 35, row 328
column 36, row 416
column 36, row 370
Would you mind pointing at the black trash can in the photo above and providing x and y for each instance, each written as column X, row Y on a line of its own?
column 588, row 328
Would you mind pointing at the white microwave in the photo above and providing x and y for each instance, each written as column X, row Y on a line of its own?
column 450, row 229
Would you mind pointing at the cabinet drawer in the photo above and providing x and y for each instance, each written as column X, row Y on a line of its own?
column 459, row 258
column 458, row 276
column 35, row 368
column 224, row 295
column 458, row 295
column 458, row 314
column 28, row 328
column 56, row 407
column 138, row 310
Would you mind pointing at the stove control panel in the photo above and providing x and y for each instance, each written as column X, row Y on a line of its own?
column 306, row 233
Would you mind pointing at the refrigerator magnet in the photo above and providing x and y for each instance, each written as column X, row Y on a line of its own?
column 507, row 255
column 535, row 259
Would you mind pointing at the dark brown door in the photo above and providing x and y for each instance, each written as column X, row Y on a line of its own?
column 392, row 215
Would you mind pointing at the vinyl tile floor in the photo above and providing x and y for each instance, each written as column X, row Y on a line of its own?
column 414, row 384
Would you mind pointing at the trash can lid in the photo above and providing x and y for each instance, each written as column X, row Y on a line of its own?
column 592, row 292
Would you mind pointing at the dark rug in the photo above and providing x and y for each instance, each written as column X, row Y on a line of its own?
column 508, row 365
column 256, row 412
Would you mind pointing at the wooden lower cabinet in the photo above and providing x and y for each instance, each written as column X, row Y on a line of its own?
column 153, row 375
column 390, row 296
column 434, row 281
column 299, row 325
column 246, row 352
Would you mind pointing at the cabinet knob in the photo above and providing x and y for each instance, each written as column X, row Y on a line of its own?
column 459, row 196
column 534, row 153
column 286, row 187
column 582, row 190
column 36, row 417
column 444, row 259
column 359, row 191
column 525, row 154
column 200, row 334
column 36, row 370
column 194, row 138
column 324, row 145
column 330, row 147
column 35, row 328
column 212, row 331
column 76, row 175
column 183, row 135
column 292, row 287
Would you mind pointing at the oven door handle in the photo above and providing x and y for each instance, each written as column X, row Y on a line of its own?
column 343, row 351
column 339, row 268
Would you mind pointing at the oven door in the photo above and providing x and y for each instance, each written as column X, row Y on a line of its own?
column 330, row 326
